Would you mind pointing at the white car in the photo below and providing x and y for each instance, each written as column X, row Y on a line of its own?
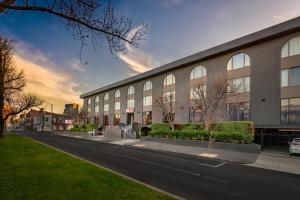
column 295, row 146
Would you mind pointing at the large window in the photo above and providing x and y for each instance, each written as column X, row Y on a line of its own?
column 238, row 111
column 89, row 100
column 105, row 120
column 89, row 109
column 239, row 85
column 290, row 77
column 130, row 103
column 291, row 48
column 97, row 99
column 148, row 86
column 106, row 97
column 195, row 115
column 238, row 61
column 290, row 111
column 198, row 72
column 147, row 117
column 117, row 93
column 117, row 105
column 147, row 100
column 117, row 119
column 198, row 92
column 169, row 96
column 96, row 109
column 169, row 80
column 130, row 90
column 106, row 107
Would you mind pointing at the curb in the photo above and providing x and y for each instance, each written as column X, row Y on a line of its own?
column 110, row 170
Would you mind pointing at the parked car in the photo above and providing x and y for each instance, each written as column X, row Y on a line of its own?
column 295, row 146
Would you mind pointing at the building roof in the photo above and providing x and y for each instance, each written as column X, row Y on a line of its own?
column 248, row 40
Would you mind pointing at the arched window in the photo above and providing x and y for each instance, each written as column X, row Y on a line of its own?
column 148, row 86
column 238, row 61
column 106, row 97
column 169, row 80
column 117, row 93
column 291, row 47
column 89, row 100
column 130, row 90
column 198, row 72
column 97, row 99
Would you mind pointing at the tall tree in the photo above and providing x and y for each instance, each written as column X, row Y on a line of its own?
column 85, row 20
column 166, row 105
column 12, row 82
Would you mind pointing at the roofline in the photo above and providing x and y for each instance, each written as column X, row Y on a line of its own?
column 248, row 40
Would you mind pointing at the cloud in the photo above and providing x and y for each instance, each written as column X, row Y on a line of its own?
column 169, row 3
column 286, row 15
column 44, row 79
column 75, row 64
column 137, row 59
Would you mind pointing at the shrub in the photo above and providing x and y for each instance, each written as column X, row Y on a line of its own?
column 160, row 127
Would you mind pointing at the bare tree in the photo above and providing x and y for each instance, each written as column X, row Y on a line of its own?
column 12, row 82
column 86, row 20
column 166, row 105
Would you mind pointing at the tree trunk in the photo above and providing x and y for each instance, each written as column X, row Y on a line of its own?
column 1, row 127
column 1, row 98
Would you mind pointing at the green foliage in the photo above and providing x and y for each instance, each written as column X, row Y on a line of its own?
column 83, row 128
column 231, row 132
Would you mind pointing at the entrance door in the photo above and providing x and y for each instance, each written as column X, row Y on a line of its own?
column 130, row 118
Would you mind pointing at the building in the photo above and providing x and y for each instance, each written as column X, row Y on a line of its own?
column 71, row 109
column 265, row 64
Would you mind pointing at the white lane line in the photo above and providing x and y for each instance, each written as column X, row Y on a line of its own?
column 216, row 179
column 220, row 165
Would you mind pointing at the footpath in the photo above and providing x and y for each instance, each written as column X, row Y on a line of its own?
column 263, row 160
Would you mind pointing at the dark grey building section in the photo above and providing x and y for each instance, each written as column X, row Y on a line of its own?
column 265, row 95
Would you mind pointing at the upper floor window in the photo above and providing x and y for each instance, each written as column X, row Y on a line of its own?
column 290, row 77
column 130, row 90
column 117, row 93
column 238, row 61
column 106, row 107
column 147, row 100
column 198, row 72
column 198, row 92
column 89, row 109
column 291, row 47
column 130, row 103
column 148, row 86
column 106, row 97
column 169, row 97
column 239, row 85
column 96, row 109
column 89, row 101
column 169, row 80
column 117, row 105
column 97, row 99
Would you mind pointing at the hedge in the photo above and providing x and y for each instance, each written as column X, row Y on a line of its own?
column 231, row 132
column 83, row 128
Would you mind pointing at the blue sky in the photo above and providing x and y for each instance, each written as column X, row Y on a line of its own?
column 176, row 28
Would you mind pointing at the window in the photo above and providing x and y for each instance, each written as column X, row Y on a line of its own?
column 290, row 77
column 169, row 80
column 290, row 111
column 148, row 86
column 117, row 105
column 106, row 97
column 97, row 99
column 130, row 103
column 291, row 48
column 238, row 61
column 196, row 93
column 130, row 90
column 195, row 115
column 89, row 109
column 238, row 111
column 96, row 109
column 89, row 101
column 106, row 107
column 239, row 85
column 117, row 94
column 117, row 119
column 147, row 117
column 147, row 101
column 198, row 72
column 169, row 96
column 105, row 120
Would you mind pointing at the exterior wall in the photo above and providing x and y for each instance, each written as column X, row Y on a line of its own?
column 265, row 90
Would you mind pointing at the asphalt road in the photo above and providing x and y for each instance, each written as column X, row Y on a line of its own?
column 189, row 177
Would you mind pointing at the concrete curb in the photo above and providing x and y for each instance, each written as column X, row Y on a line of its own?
column 115, row 172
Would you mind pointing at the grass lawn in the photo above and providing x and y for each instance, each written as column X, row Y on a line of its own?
column 29, row 170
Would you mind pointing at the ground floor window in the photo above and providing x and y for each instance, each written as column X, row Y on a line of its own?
column 290, row 111
column 97, row 121
column 147, row 117
column 105, row 120
column 168, row 117
column 117, row 119
column 238, row 111
column 195, row 115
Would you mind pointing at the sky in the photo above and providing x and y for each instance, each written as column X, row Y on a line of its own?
column 175, row 29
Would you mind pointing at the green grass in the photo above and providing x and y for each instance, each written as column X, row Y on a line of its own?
column 29, row 170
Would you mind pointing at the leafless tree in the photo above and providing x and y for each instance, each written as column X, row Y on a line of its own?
column 166, row 106
column 86, row 20
column 12, row 82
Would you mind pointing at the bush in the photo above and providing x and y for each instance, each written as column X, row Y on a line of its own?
column 160, row 127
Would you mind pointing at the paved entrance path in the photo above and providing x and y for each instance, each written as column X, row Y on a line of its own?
column 186, row 176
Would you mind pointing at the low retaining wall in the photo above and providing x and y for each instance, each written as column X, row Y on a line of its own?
column 248, row 148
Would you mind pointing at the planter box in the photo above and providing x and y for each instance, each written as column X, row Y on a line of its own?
column 247, row 148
